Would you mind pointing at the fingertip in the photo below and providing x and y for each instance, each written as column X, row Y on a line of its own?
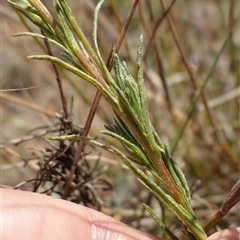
column 232, row 233
column 34, row 216
column 105, row 227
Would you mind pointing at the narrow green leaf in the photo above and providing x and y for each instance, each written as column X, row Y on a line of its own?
column 143, row 96
column 73, row 22
column 160, row 223
column 104, row 69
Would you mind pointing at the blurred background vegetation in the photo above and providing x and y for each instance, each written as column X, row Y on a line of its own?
column 178, row 53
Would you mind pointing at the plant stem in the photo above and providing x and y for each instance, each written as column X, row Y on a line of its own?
column 95, row 104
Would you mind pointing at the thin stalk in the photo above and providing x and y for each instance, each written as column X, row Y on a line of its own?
column 232, row 199
column 58, row 78
column 156, row 51
column 124, row 30
column 120, row 27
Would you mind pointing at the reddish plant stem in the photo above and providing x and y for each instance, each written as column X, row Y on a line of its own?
column 58, row 78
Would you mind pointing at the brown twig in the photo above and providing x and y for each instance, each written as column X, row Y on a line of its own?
column 124, row 30
column 156, row 51
column 232, row 199
column 58, row 78
column 120, row 26
column 156, row 26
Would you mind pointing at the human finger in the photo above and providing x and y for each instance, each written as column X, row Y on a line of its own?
column 227, row 234
column 27, row 215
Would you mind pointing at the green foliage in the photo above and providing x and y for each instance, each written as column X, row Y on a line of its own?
column 148, row 156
